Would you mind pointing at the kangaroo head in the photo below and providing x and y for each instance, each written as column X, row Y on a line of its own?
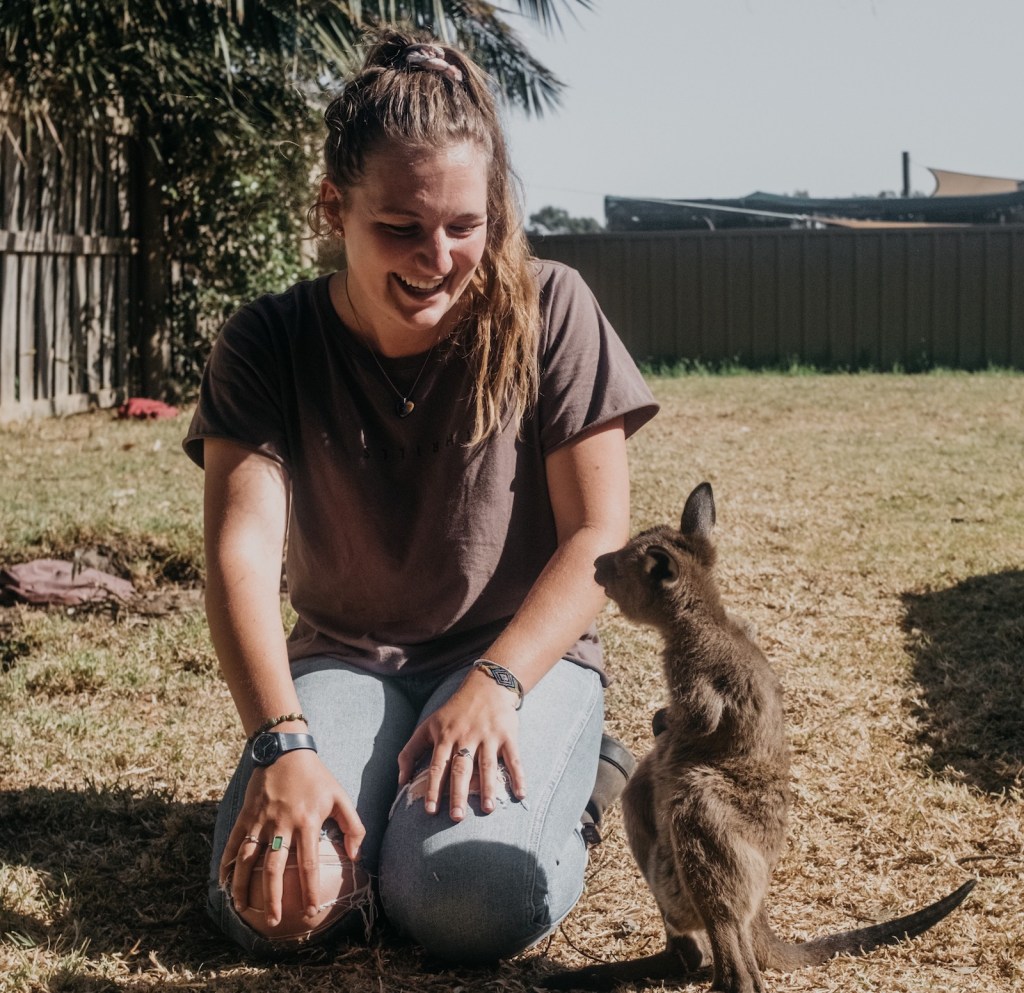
column 662, row 571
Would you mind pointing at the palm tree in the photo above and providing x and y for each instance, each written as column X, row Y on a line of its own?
column 240, row 63
column 221, row 101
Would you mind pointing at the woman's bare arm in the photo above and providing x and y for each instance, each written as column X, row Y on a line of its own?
column 245, row 512
column 588, row 480
column 245, row 508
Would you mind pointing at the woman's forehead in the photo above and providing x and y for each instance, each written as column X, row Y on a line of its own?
column 399, row 177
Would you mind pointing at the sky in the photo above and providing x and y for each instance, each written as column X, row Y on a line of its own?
column 721, row 98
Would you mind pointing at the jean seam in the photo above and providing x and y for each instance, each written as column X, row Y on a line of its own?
column 545, row 806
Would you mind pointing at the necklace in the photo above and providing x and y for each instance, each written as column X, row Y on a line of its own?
column 405, row 406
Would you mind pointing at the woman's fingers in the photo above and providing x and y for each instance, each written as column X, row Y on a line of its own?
column 437, row 776
column 488, row 777
column 238, row 867
column 409, row 756
column 307, row 858
column 451, row 768
column 348, row 820
column 460, row 773
column 275, row 858
column 514, row 767
column 469, row 770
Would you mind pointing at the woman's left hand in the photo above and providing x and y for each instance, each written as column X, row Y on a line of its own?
column 470, row 734
column 588, row 482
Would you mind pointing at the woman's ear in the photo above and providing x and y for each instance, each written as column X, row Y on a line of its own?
column 332, row 201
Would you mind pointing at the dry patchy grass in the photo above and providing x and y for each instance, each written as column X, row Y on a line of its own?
column 871, row 526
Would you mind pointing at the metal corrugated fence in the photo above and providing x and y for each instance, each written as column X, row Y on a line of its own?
column 834, row 298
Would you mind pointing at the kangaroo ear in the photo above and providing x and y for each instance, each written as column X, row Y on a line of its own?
column 660, row 565
column 699, row 512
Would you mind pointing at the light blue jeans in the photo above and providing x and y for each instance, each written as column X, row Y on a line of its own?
column 471, row 892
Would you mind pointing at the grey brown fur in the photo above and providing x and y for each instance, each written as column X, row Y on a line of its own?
column 705, row 812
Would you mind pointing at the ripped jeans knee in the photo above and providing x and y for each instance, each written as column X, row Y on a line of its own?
column 416, row 790
column 346, row 907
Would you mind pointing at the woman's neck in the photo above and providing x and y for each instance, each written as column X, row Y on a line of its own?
column 362, row 326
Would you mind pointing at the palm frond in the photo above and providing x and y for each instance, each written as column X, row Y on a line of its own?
column 238, row 62
column 523, row 80
column 546, row 12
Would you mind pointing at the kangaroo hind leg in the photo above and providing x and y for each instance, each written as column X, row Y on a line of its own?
column 728, row 879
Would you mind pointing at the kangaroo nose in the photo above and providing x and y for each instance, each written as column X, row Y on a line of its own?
column 604, row 568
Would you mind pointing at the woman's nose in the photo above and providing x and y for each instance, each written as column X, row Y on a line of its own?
column 436, row 252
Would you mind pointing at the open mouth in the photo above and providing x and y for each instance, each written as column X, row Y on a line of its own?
column 420, row 287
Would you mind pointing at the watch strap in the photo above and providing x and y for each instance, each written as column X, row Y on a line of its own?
column 286, row 742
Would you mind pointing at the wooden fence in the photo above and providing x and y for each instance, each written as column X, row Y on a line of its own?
column 879, row 298
column 85, row 287
column 66, row 270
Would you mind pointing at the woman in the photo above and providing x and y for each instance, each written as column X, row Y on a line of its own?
column 439, row 429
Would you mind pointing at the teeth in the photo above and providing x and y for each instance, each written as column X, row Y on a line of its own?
column 417, row 284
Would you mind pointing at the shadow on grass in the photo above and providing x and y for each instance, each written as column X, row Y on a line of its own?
column 120, row 879
column 968, row 646
column 123, row 871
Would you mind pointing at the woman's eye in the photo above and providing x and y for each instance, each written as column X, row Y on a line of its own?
column 403, row 230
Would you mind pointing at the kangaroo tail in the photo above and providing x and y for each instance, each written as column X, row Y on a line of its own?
column 680, row 960
column 784, row 956
column 664, row 965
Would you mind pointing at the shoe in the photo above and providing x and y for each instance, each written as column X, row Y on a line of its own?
column 614, row 768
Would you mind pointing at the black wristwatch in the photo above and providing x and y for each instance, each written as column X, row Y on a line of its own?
column 268, row 747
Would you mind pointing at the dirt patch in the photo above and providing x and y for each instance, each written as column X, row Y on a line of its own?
column 148, row 561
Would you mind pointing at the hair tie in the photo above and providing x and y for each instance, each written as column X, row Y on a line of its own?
column 431, row 57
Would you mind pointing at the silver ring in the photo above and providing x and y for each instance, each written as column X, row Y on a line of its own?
column 464, row 753
column 255, row 841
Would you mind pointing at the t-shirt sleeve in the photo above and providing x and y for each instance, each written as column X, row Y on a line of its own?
column 587, row 376
column 241, row 395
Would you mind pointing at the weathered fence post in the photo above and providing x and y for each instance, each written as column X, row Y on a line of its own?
column 65, row 261
column 153, row 338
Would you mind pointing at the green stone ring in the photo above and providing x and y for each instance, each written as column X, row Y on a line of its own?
column 277, row 844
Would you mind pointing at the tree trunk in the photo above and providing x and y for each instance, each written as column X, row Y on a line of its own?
column 152, row 325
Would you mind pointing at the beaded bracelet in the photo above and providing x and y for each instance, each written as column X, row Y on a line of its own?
column 272, row 722
column 501, row 676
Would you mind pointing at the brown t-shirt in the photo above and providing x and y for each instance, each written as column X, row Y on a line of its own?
column 408, row 549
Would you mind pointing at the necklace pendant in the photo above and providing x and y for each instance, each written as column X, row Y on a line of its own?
column 404, row 407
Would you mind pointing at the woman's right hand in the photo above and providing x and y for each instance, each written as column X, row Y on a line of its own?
column 245, row 516
column 291, row 798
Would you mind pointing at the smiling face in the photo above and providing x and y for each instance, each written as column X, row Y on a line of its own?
column 415, row 229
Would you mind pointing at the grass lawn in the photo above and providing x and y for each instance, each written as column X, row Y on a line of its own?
column 871, row 526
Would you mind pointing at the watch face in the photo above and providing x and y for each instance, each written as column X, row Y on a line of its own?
column 265, row 749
